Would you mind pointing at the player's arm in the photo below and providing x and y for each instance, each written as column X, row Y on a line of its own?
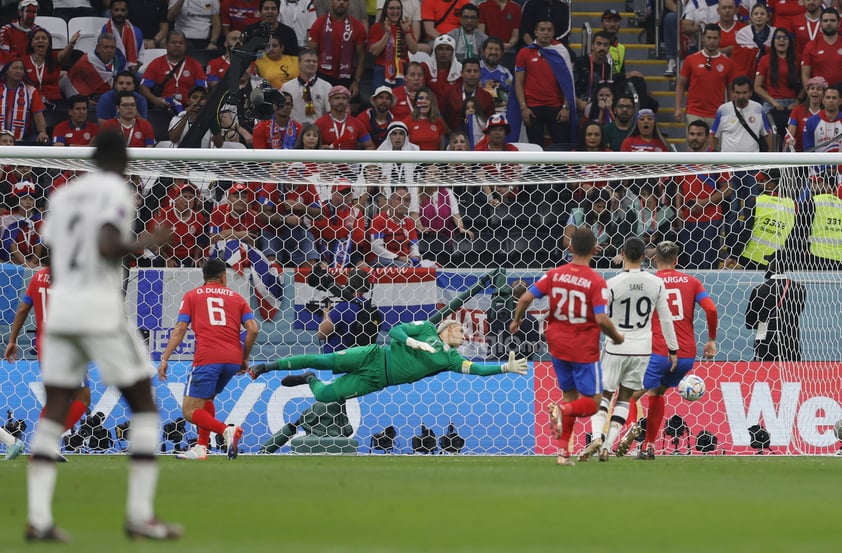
column 403, row 334
column 520, row 310
column 607, row 326
column 176, row 338
column 20, row 317
column 707, row 304
column 667, row 326
column 513, row 365
column 251, row 337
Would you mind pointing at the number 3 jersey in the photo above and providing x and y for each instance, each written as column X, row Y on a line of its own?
column 577, row 294
column 215, row 313
column 633, row 298
column 683, row 292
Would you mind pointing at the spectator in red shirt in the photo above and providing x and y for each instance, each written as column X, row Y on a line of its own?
column 390, row 41
column 778, row 82
column 500, row 19
column 186, row 249
column 21, row 241
column 76, row 130
column 426, row 127
column 137, row 131
column 22, row 107
column 43, row 66
column 444, row 69
column 705, row 76
column 645, row 137
column 235, row 220
column 405, row 95
column 340, row 41
column 237, row 15
column 93, row 73
column 821, row 56
column 217, row 67
column 439, row 17
column 168, row 79
column 392, row 235
column 467, row 87
column 14, row 36
column 341, row 228
column 377, row 118
column 340, row 130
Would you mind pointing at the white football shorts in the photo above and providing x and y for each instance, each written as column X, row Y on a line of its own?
column 623, row 370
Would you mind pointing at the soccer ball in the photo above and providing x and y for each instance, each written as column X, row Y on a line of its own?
column 837, row 429
column 691, row 387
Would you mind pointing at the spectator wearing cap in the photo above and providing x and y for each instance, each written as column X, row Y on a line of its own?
column 93, row 73
column 235, row 220
column 439, row 17
column 611, row 21
column 275, row 66
column 137, row 131
column 500, row 19
column 705, row 77
column 821, row 56
column 14, row 36
column 183, row 216
column 544, row 87
column 106, row 107
column 20, row 239
column 340, row 228
column 378, row 117
column 801, row 112
column 496, row 130
column 823, row 131
column 280, row 132
column 467, row 87
column 443, row 70
column 23, row 108
column 76, row 130
column 469, row 39
column 308, row 90
column 390, row 41
column 556, row 11
column 341, row 130
column 181, row 123
column 340, row 41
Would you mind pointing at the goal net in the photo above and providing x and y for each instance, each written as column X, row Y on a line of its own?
column 487, row 226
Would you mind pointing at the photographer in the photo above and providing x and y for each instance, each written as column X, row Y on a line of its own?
column 181, row 123
column 352, row 320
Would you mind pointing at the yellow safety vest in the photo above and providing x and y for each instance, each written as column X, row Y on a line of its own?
column 774, row 219
column 618, row 55
column 826, row 232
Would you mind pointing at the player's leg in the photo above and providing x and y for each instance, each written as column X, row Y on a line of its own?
column 345, row 361
column 63, row 368
column 124, row 362
column 345, row 387
column 618, row 420
column 78, row 406
column 657, row 380
column 631, row 385
column 204, row 384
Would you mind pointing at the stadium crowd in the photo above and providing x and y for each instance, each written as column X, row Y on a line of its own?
column 497, row 76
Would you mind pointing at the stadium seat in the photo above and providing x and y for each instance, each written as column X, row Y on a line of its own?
column 89, row 29
column 57, row 28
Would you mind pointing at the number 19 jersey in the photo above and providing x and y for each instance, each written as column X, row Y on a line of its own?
column 634, row 297
column 577, row 294
column 215, row 313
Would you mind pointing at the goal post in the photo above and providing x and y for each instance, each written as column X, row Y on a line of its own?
column 514, row 208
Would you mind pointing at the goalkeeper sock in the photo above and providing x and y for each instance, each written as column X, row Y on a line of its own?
column 6, row 438
column 654, row 417
column 204, row 433
column 41, row 473
column 317, row 361
column 205, row 420
column 582, row 407
column 143, row 467
column 74, row 414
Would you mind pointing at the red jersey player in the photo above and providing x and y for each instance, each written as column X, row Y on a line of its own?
column 215, row 314
column 36, row 297
column 683, row 292
column 578, row 311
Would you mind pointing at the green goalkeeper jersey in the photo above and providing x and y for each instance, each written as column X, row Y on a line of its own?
column 404, row 364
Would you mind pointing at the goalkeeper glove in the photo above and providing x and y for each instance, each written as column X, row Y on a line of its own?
column 416, row 344
column 518, row 366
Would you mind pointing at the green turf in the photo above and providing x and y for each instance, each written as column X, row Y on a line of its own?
column 484, row 504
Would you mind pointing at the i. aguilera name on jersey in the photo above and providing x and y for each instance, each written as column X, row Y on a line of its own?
column 572, row 279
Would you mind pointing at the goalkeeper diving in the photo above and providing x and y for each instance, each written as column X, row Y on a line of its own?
column 417, row 350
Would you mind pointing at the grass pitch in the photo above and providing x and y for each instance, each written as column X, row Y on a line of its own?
column 423, row 504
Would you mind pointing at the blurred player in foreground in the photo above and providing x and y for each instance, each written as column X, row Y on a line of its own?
column 417, row 350
column 633, row 296
column 215, row 313
column 35, row 297
column 683, row 293
column 88, row 231
column 578, row 311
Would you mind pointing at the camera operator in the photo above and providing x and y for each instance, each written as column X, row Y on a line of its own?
column 352, row 320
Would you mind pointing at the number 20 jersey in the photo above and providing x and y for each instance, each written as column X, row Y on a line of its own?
column 576, row 293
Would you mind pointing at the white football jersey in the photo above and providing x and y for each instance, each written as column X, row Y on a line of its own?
column 86, row 295
column 633, row 297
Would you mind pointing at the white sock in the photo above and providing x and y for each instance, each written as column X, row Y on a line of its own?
column 598, row 424
column 613, row 431
column 143, row 467
column 618, row 419
column 6, row 438
column 41, row 474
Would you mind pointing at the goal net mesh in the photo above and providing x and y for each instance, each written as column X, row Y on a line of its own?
column 487, row 227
